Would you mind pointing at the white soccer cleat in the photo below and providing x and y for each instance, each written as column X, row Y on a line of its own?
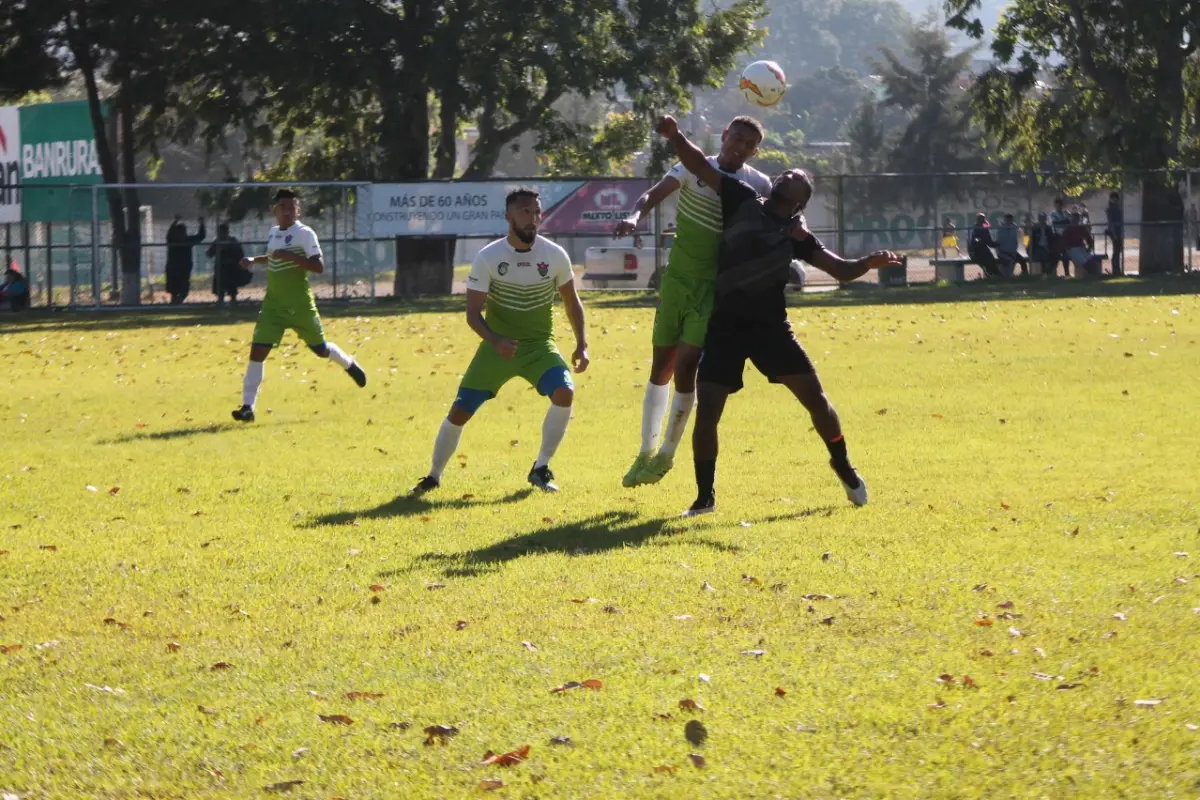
column 857, row 496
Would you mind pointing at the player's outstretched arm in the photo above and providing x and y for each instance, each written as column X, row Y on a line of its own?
column 691, row 156
column 476, row 302
column 249, row 262
column 845, row 270
column 574, row 309
column 645, row 204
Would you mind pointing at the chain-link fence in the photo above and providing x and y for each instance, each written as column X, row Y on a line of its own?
column 185, row 232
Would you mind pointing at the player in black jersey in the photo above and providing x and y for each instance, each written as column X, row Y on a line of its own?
column 761, row 236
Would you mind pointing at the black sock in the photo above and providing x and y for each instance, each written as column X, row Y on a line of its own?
column 706, row 476
column 841, row 461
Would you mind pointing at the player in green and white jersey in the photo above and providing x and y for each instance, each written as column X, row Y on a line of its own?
column 292, row 252
column 516, row 279
column 686, row 292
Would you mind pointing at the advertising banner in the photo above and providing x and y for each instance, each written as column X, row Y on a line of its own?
column 10, row 164
column 477, row 208
column 58, row 150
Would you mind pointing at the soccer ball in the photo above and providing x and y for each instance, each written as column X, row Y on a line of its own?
column 763, row 84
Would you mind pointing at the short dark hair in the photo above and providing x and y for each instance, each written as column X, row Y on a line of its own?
column 751, row 123
column 286, row 194
column 524, row 193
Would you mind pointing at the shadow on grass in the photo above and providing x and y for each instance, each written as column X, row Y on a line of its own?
column 599, row 533
column 178, row 433
column 405, row 505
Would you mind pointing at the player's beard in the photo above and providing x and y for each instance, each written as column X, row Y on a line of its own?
column 525, row 236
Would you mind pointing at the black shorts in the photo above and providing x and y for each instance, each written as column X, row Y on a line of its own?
column 768, row 343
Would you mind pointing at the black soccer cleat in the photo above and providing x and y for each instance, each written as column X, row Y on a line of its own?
column 543, row 478
column 705, row 504
column 427, row 484
column 244, row 414
column 356, row 372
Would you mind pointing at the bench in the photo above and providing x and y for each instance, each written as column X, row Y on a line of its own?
column 953, row 270
column 894, row 276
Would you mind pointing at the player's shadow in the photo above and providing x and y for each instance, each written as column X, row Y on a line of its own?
column 405, row 505
column 601, row 532
column 176, row 433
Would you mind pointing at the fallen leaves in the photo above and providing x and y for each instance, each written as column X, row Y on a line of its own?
column 940, row 704
column 375, row 587
column 490, row 785
column 5, row 649
column 561, row 741
column 985, row 621
column 591, row 683
column 530, row 646
column 1147, row 703
column 363, row 695
column 687, row 704
column 122, row 625
column 780, row 691
column 52, row 548
column 511, row 759
column 336, row 719
column 755, row 653
column 114, row 491
column 695, row 732
column 439, row 734
column 460, row 625
column 283, row 786
column 697, row 760
column 220, row 665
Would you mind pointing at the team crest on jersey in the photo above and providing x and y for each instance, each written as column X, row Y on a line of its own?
column 288, row 239
column 543, row 268
column 502, row 268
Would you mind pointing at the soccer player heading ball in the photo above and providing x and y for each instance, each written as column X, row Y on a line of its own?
column 292, row 252
column 759, row 238
column 686, row 292
column 516, row 279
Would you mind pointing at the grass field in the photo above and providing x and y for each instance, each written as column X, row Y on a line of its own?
column 186, row 606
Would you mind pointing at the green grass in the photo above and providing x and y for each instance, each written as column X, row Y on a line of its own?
column 1035, row 449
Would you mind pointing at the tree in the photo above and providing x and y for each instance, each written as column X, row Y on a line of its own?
column 1119, row 95
column 809, row 35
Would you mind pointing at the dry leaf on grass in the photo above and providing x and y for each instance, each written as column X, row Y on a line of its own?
column 755, row 653
column 666, row 769
column 52, row 548
column 506, row 759
column 336, row 719
column 282, row 786
column 460, row 625
column 439, row 734
column 695, row 732
column 210, row 712
column 938, row 705
column 5, row 649
column 530, row 646
column 490, row 785
column 220, row 665
column 363, row 695
column 375, row 587
column 1146, row 703
column 1006, row 605
column 780, row 691
column 697, row 760
column 687, row 704
column 563, row 741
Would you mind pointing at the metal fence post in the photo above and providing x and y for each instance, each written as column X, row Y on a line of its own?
column 335, row 250
column 936, row 223
column 95, row 245
column 839, row 204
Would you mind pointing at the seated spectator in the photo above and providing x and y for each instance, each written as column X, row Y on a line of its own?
column 1008, row 246
column 1079, row 245
column 1041, row 244
column 950, row 238
column 979, row 247
column 14, row 291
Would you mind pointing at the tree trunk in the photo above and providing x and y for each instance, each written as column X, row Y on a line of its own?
column 424, row 265
column 131, row 250
column 104, row 152
column 1161, row 235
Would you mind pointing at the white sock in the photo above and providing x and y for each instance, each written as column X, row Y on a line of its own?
column 444, row 446
column 250, row 383
column 654, row 408
column 338, row 356
column 554, row 428
column 681, row 409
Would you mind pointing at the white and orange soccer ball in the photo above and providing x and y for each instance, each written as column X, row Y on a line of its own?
column 763, row 84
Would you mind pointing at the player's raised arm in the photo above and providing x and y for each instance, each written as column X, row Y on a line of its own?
column 691, row 156
column 645, row 204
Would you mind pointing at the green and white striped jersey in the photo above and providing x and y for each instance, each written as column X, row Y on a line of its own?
column 521, row 286
column 698, row 222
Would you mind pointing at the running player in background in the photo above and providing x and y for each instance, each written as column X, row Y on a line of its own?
column 292, row 252
column 686, row 292
column 516, row 279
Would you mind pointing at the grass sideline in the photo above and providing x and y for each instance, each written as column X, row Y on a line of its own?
column 1024, row 445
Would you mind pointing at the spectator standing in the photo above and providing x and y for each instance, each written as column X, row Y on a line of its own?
column 950, row 238
column 1116, row 232
column 1041, row 244
column 1060, row 220
column 179, row 258
column 228, row 273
